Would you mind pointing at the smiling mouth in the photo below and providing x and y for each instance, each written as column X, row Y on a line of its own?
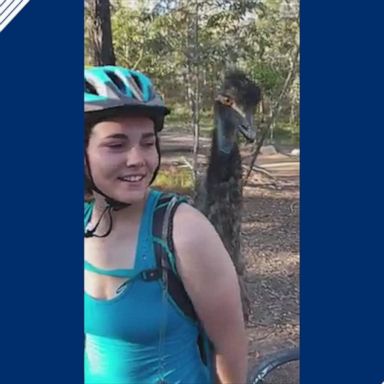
column 132, row 178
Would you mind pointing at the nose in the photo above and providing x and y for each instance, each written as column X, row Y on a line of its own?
column 135, row 157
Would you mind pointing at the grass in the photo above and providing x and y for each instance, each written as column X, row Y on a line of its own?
column 175, row 180
column 286, row 134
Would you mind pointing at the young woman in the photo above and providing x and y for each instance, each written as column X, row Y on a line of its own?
column 134, row 331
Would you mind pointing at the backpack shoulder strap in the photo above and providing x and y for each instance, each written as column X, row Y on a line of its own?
column 165, row 259
column 162, row 229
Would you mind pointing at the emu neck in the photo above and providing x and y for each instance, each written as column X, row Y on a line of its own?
column 221, row 167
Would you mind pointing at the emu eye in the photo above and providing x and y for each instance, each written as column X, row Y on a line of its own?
column 227, row 101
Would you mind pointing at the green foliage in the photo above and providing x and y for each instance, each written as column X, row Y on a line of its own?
column 159, row 38
column 269, row 77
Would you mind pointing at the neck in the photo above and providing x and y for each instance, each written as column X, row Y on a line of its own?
column 131, row 212
column 220, row 166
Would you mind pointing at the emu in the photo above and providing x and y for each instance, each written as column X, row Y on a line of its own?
column 219, row 194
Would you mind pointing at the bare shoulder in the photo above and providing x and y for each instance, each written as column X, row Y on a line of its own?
column 199, row 249
column 192, row 228
column 208, row 273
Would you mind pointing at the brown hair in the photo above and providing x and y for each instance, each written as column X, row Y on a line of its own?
column 89, row 122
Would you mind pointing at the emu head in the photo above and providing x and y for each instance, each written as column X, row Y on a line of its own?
column 234, row 109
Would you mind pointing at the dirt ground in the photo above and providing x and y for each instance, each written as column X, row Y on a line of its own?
column 270, row 244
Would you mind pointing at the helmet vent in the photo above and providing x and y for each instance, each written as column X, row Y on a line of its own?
column 116, row 80
column 137, row 81
column 89, row 88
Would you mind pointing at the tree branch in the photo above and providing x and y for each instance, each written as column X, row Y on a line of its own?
column 275, row 110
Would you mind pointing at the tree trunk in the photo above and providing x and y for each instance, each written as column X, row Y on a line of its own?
column 196, row 109
column 101, row 33
column 193, row 80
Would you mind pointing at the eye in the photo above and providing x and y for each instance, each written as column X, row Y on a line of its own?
column 115, row 145
column 227, row 101
column 148, row 144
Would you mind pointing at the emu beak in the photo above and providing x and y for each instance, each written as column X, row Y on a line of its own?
column 246, row 128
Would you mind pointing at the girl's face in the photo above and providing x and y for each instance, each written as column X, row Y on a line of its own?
column 123, row 157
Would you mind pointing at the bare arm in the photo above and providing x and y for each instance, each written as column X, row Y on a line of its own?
column 210, row 279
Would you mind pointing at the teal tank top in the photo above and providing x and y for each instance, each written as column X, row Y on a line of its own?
column 140, row 336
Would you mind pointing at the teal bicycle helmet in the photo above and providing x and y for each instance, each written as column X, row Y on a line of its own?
column 110, row 90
